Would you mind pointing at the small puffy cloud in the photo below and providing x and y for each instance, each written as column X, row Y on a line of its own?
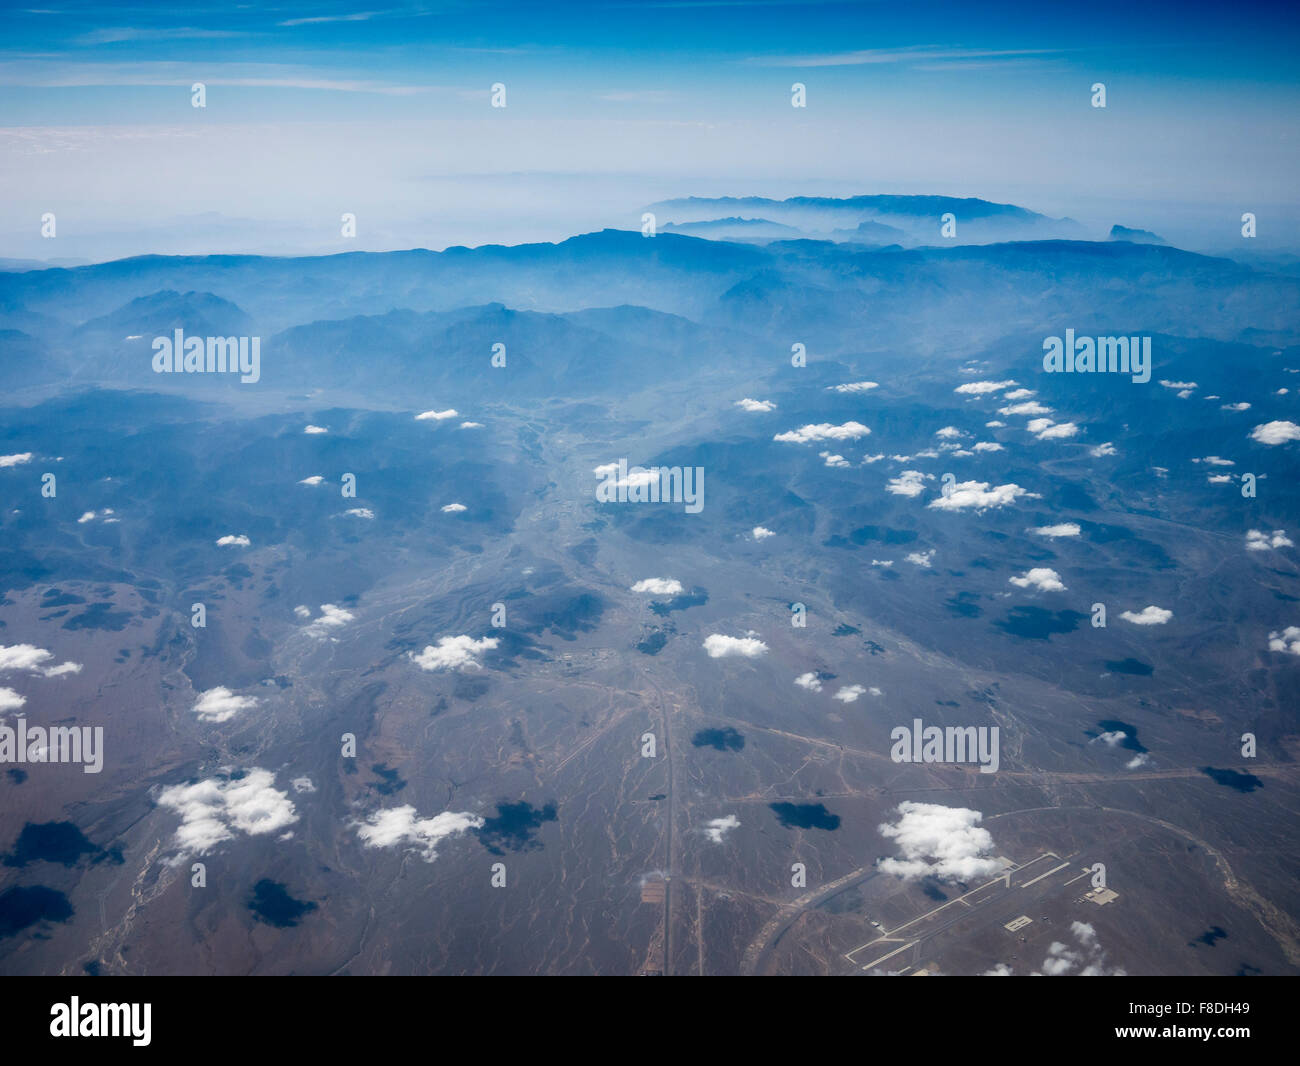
column 1235, row 407
column 869, row 459
column 454, row 508
column 717, row 828
column 1275, row 432
column 1030, row 407
column 834, row 460
column 849, row 693
column 30, row 659
column 823, row 431
column 659, row 586
column 15, row 460
column 453, row 653
column 1182, row 386
column 942, row 842
column 854, row 386
column 988, row 446
column 314, row 480
column 402, row 827
column 213, row 811
column 89, row 516
column 303, row 784
column 995, row 424
column 949, row 433
column 1139, row 760
column 1058, row 431
column 761, row 533
column 1148, row 616
column 921, row 558
column 999, row 970
column 471, row 425
column 1110, row 739
column 1042, row 578
column 1214, row 460
column 436, row 416
column 1088, row 956
column 810, row 681
column 331, row 618
column 908, row 483
column 302, row 611
column 978, row 496
column 980, row 388
column 1286, row 640
column 232, row 540
column 1102, row 450
column 1062, row 529
column 1219, row 479
column 1257, row 540
column 11, row 700
column 757, row 406
column 882, row 562
column 1019, row 394
column 719, row 646
column 359, row 512
column 313, row 431
column 220, row 704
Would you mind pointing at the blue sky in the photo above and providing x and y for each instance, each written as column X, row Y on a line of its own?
column 384, row 110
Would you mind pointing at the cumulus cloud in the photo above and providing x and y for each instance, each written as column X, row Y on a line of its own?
column 15, row 460
column 882, row 562
column 401, row 827
column 833, row 460
column 315, row 430
column 1062, row 529
column 719, row 646
column 1102, row 450
column 1184, row 386
column 980, row 388
column 1087, row 957
column 454, row 508
column 908, row 483
column 937, row 841
column 10, row 700
column 810, row 681
column 214, row 810
column 1257, row 540
column 1042, row 578
column 1148, row 616
column 1214, row 460
column 1020, row 394
column 849, row 693
column 28, row 658
column 659, row 586
column 1235, row 407
column 761, row 533
column 220, row 704
column 1030, row 407
column 1000, row 970
column 978, row 496
column 949, row 433
column 471, row 425
column 302, row 612
column 331, row 618
column 854, row 386
column 1286, row 640
column 1219, row 479
column 823, row 431
column 921, row 558
column 453, row 653
column 1141, row 759
column 1054, row 430
column 1110, row 739
column 231, row 540
column 303, row 784
column 314, row 480
column 988, row 446
column 359, row 512
column 717, row 828
column 1275, row 432
column 755, row 405
column 436, row 416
